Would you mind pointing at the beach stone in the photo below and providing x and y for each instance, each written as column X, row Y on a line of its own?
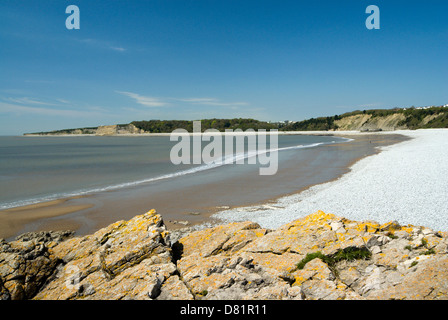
column 182, row 222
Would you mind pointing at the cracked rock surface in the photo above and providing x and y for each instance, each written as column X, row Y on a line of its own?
column 140, row 259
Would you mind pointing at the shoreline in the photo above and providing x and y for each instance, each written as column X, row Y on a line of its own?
column 406, row 182
column 167, row 134
column 83, row 214
column 15, row 219
column 275, row 203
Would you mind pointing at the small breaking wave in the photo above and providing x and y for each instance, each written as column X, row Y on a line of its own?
column 229, row 159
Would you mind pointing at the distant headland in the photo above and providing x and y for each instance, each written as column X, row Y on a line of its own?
column 360, row 120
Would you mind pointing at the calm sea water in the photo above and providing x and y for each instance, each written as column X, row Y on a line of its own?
column 36, row 169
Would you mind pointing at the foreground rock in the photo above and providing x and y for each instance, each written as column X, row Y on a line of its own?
column 320, row 256
column 26, row 264
column 126, row 260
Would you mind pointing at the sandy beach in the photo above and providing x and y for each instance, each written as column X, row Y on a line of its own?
column 407, row 182
column 196, row 203
column 15, row 219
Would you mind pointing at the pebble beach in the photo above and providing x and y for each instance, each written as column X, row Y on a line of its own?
column 406, row 182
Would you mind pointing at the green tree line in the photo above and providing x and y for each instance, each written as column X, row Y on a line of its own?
column 413, row 120
column 161, row 126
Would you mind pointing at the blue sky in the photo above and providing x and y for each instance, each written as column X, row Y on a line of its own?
column 268, row 60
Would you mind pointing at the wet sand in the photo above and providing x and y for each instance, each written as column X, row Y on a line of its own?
column 15, row 219
column 187, row 199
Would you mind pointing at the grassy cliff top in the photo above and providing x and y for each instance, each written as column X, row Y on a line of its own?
column 365, row 120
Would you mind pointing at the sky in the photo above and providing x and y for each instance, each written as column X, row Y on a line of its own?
column 170, row 59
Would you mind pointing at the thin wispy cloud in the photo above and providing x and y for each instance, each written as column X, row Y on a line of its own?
column 57, row 107
column 225, row 104
column 63, row 101
column 102, row 44
column 39, row 81
column 195, row 100
column 20, row 109
column 57, row 102
column 26, row 100
column 361, row 106
column 371, row 105
column 162, row 102
column 120, row 49
column 212, row 102
column 144, row 100
column 257, row 113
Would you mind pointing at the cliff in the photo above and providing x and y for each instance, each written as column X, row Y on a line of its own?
column 117, row 129
column 394, row 121
column 377, row 120
column 320, row 256
column 98, row 131
column 366, row 120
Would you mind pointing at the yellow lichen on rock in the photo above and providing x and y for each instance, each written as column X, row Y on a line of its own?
column 138, row 259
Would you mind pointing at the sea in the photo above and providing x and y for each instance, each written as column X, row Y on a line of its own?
column 36, row 169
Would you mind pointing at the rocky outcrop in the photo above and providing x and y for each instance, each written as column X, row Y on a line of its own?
column 126, row 260
column 26, row 264
column 320, row 256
